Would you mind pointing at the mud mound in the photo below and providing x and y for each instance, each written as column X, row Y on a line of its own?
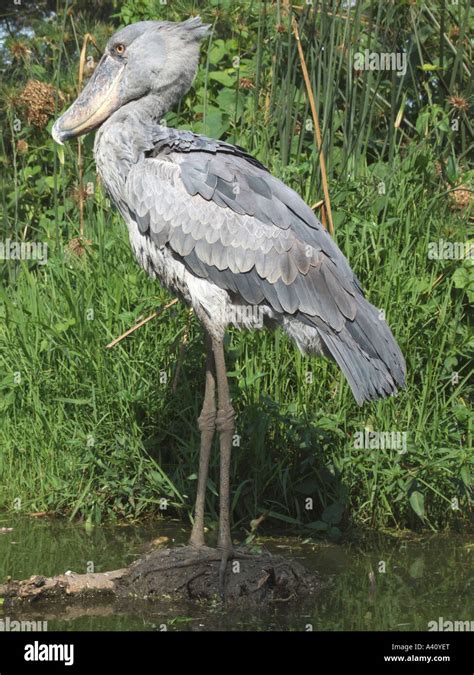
column 177, row 573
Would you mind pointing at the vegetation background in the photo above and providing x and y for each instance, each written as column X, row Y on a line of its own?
column 98, row 433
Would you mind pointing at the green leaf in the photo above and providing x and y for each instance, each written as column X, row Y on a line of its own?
column 334, row 532
column 226, row 99
column 452, row 169
column 225, row 78
column 429, row 67
column 422, row 122
column 465, row 476
column 7, row 400
column 417, row 503
column 283, row 518
column 333, row 513
column 74, row 401
column 461, row 278
column 417, row 568
column 318, row 525
column 213, row 123
column 63, row 325
column 217, row 52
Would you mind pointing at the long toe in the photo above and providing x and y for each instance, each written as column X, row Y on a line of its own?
column 227, row 554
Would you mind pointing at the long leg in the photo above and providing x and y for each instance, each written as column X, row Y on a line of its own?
column 207, row 425
column 225, row 426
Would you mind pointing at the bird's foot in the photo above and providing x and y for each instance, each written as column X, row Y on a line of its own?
column 224, row 553
column 228, row 554
column 183, row 566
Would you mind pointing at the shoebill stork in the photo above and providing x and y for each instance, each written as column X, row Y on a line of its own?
column 212, row 224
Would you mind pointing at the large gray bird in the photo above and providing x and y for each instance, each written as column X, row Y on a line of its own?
column 219, row 231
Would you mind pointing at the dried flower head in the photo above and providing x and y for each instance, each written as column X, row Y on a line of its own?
column 79, row 194
column 461, row 197
column 19, row 50
column 21, row 147
column 458, row 102
column 37, row 99
column 246, row 83
column 78, row 245
column 454, row 32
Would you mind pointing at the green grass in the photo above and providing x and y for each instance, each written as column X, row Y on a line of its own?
column 100, row 434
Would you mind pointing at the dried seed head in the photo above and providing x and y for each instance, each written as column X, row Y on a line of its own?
column 79, row 195
column 21, row 147
column 458, row 102
column 78, row 245
column 37, row 99
column 461, row 198
column 246, row 83
column 19, row 50
column 454, row 32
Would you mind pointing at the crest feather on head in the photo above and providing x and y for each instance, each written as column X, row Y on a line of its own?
column 193, row 29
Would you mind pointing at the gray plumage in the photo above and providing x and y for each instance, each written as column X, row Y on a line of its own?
column 219, row 230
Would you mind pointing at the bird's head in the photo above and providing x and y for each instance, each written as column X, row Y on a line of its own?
column 148, row 57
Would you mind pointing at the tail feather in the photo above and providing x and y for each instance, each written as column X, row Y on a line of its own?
column 364, row 349
column 368, row 377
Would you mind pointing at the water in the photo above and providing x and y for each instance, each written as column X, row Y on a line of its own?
column 425, row 578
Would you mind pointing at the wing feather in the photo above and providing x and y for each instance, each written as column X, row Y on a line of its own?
column 230, row 221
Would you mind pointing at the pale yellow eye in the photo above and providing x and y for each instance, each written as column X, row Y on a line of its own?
column 119, row 49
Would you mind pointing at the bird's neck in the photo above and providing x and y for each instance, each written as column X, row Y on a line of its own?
column 126, row 136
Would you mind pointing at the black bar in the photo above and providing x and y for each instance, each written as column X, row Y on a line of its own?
column 314, row 652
